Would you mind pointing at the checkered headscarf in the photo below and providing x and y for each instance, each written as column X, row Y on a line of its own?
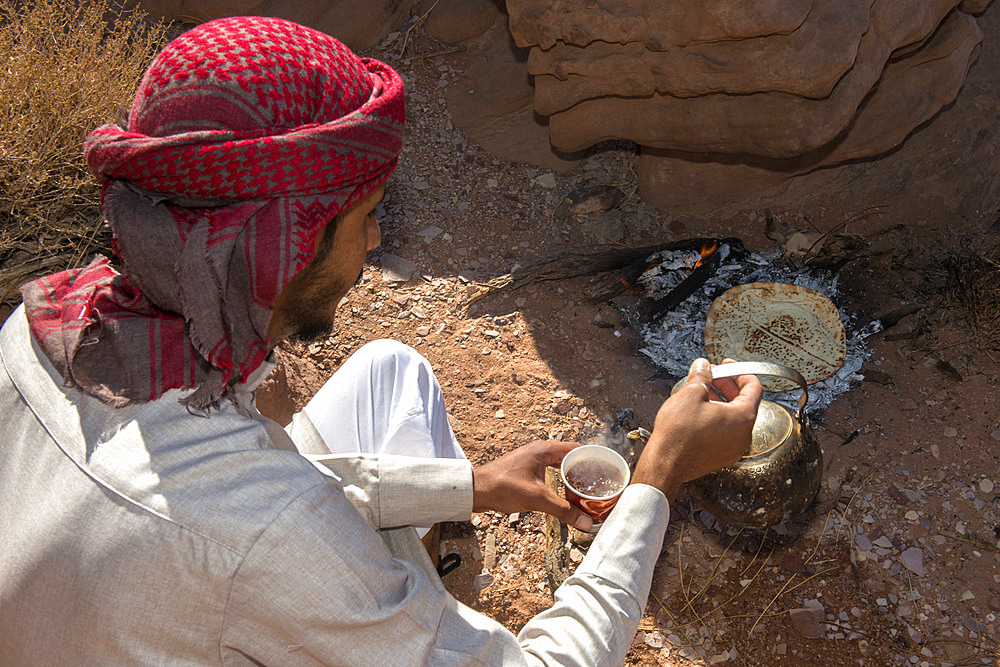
column 247, row 135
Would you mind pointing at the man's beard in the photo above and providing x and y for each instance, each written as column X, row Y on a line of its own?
column 308, row 328
column 312, row 331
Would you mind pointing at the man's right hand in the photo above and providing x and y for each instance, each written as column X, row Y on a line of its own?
column 695, row 432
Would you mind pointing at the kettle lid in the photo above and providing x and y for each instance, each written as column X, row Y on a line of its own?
column 774, row 426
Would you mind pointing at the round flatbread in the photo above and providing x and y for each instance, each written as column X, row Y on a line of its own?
column 784, row 324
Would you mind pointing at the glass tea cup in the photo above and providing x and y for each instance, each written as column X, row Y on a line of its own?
column 594, row 477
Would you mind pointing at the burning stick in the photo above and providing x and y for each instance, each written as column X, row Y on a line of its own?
column 704, row 269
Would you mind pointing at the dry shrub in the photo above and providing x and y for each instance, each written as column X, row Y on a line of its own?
column 69, row 67
column 975, row 284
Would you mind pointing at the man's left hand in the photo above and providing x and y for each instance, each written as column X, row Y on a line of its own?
column 515, row 482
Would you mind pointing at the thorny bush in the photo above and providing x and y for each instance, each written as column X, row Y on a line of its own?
column 68, row 67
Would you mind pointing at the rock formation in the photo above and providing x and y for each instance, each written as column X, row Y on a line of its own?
column 785, row 87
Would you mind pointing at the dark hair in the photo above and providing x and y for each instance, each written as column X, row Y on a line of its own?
column 325, row 245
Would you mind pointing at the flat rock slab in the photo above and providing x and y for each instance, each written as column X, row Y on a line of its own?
column 397, row 269
column 659, row 24
column 807, row 62
column 492, row 103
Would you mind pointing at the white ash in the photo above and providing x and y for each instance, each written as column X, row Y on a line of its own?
column 679, row 337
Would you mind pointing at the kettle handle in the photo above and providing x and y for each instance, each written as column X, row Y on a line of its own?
column 762, row 368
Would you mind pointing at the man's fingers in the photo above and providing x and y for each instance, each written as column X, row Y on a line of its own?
column 750, row 394
column 728, row 387
column 553, row 451
column 563, row 510
column 749, row 386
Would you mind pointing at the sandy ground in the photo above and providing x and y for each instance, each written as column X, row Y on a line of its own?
column 898, row 561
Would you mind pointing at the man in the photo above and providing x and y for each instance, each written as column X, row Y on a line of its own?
column 149, row 513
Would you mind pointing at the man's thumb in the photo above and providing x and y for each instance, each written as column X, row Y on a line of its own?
column 700, row 371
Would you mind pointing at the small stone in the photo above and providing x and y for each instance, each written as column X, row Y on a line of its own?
column 995, row 434
column 689, row 653
column 500, row 414
column 911, row 516
column 430, row 233
column 514, row 518
column 423, row 330
column 972, row 624
column 862, row 542
column 491, row 333
column 883, row 542
column 654, row 639
column 397, row 269
column 781, row 649
column 486, row 350
column 968, row 595
column 490, row 553
column 482, row 581
column 882, row 602
column 950, row 432
column 986, row 485
column 492, row 182
column 546, row 180
column 575, row 555
column 807, row 622
column 935, row 451
column 476, row 520
column 913, row 560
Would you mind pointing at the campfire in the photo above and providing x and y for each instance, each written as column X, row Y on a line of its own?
column 680, row 285
column 677, row 283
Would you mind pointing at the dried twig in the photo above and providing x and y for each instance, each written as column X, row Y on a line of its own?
column 416, row 24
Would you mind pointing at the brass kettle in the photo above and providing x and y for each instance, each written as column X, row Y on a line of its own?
column 779, row 474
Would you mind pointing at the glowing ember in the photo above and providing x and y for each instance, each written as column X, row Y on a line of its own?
column 706, row 251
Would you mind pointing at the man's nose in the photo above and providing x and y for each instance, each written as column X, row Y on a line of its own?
column 374, row 233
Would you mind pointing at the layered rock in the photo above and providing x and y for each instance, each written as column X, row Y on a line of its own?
column 659, row 25
column 808, row 62
column 784, row 86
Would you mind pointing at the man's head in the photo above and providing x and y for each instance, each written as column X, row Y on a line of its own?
column 247, row 138
column 305, row 308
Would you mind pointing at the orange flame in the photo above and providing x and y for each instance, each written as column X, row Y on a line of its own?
column 706, row 251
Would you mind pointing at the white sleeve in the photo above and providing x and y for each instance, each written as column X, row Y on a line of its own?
column 597, row 610
column 319, row 587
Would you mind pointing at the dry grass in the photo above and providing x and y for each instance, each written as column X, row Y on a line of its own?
column 975, row 285
column 68, row 67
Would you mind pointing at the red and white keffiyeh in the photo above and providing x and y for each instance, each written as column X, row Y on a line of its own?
column 247, row 135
